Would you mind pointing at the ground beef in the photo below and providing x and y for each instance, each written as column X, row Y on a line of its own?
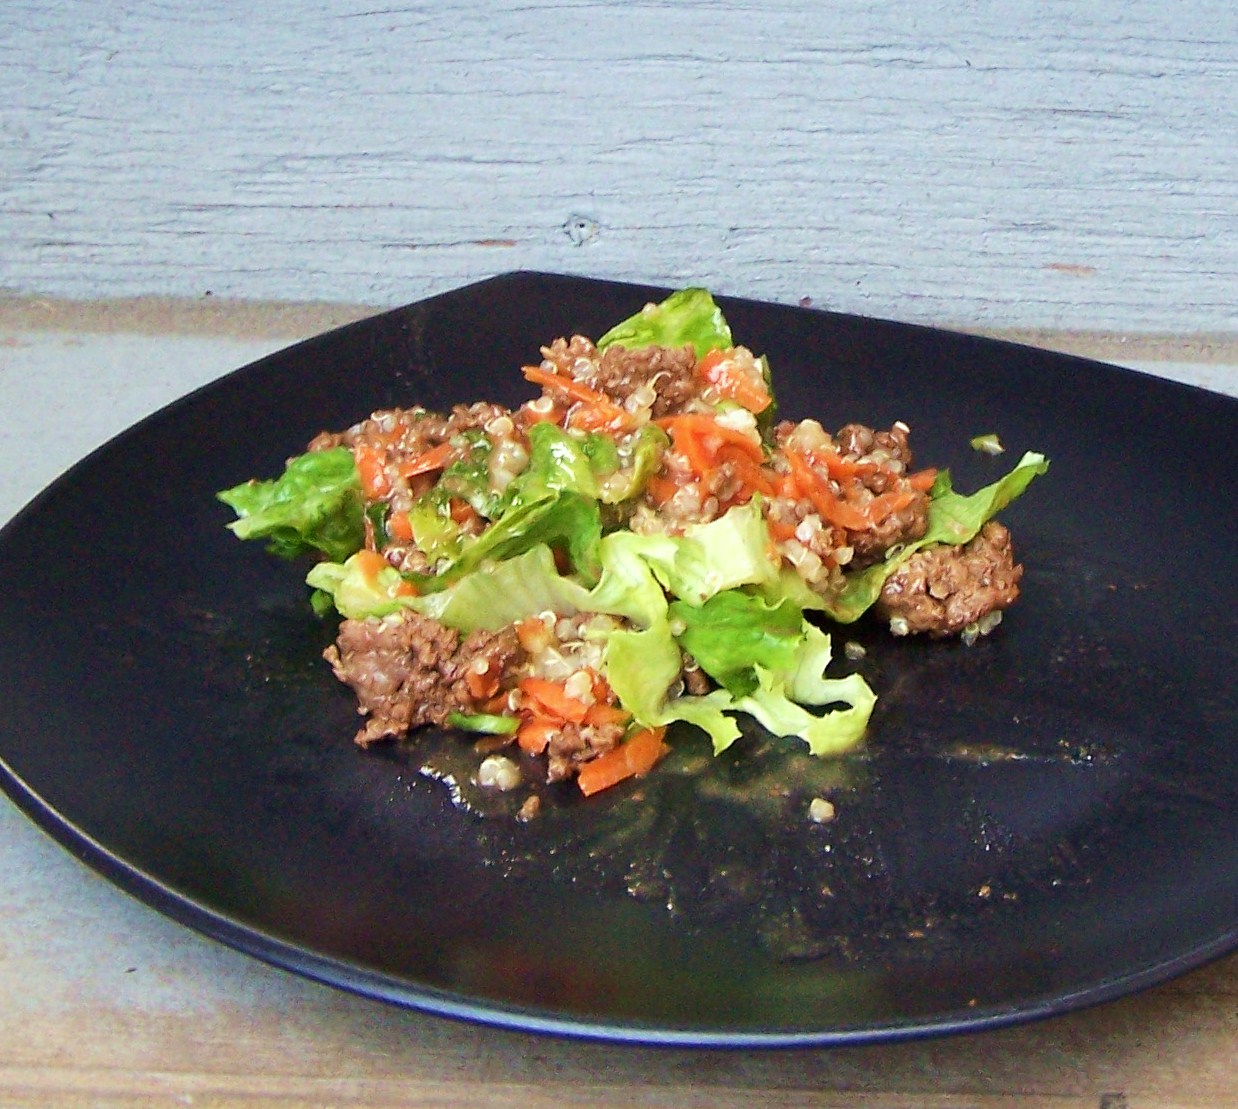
column 619, row 372
column 408, row 432
column 855, row 441
column 904, row 526
column 669, row 372
column 573, row 745
column 944, row 589
column 410, row 670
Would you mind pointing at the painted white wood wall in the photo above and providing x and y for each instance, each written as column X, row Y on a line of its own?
column 994, row 163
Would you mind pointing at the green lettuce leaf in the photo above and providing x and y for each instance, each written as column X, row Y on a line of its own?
column 504, row 593
column 641, row 665
column 437, row 534
column 830, row 733
column 638, row 460
column 315, row 506
column 358, row 592
column 770, row 662
column 713, row 713
column 734, row 632
column 957, row 518
column 483, row 722
column 628, row 585
column 733, row 550
column 688, row 316
column 530, row 582
column 468, row 477
column 558, row 461
column 563, row 520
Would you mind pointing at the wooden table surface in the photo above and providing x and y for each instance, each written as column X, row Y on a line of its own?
column 104, row 1002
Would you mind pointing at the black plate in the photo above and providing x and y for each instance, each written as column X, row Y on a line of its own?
column 1041, row 821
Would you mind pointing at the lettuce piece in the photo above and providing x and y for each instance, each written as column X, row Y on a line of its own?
column 733, row 632
column 565, row 520
column 468, row 477
column 831, row 733
column 504, row 593
column 953, row 518
column 590, row 464
column 638, row 460
column 485, row 723
column 530, row 582
column 735, row 549
column 771, row 662
column 641, row 666
column 628, row 585
column 558, row 461
column 435, row 532
column 688, row 316
column 315, row 506
column 713, row 713
column 357, row 591
column 957, row 518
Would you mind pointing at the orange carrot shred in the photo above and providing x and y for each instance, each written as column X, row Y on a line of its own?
column 716, row 368
column 551, row 699
column 400, row 527
column 638, row 755
column 824, row 499
column 534, row 735
column 428, row 461
column 371, row 469
column 887, row 504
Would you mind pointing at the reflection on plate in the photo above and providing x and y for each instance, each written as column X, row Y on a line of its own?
column 1038, row 822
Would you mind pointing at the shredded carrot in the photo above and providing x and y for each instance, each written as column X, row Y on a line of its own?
column 661, row 489
column 600, row 417
column 690, row 444
column 369, row 563
column 498, row 705
column 461, row 511
column 551, row 699
column 781, row 530
column 428, row 461
column 887, row 504
column 709, row 361
column 754, row 478
column 568, row 386
column 922, row 480
column 371, row 468
column 730, row 382
column 484, row 684
column 400, row 527
column 637, row 756
column 840, row 468
column 534, row 735
column 533, row 634
column 699, row 425
column 827, row 503
column 528, row 415
column 602, row 713
column 596, row 411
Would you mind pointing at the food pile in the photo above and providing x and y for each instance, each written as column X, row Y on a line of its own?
column 642, row 542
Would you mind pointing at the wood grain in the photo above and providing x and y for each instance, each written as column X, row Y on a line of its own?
column 992, row 165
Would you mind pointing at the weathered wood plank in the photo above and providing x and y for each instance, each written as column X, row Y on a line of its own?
column 1037, row 165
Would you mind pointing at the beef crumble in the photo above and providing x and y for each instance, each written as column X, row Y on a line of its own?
column 408, row 670
column 943, row 590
